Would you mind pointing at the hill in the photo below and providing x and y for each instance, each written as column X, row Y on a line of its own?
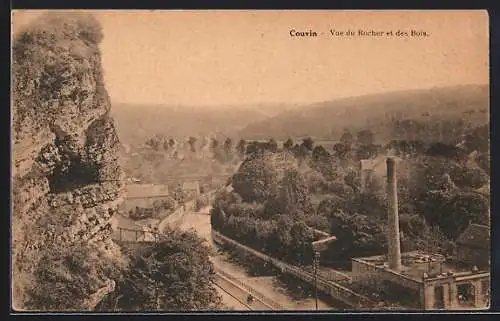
column 378, row 112
column 136, row 123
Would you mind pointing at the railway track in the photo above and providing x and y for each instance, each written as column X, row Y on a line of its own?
column 233, row 296
column 234, row 289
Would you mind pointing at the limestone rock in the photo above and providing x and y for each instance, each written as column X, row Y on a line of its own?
column 66, row 175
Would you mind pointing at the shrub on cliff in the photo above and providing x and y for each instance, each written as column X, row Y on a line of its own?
column 47, row 58
column 66, row 276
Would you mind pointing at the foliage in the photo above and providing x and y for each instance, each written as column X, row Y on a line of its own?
column 192, row 143
column 252, row 210
column 288, row 144
column 367, row 151
column 301, row 238
column 256, row 179
column 435, row 193
column 359, row 235
column 365, row 137
column 446, row 151
column 347, row 139
column 67, row 275
column 241, row 147
column 175, row 270
column 291, row 196
column 469, row 176
column 320, row 155
column 228, row 145
column 318, row 222
column 273, row 145
column 308, row 143
column 342, row 150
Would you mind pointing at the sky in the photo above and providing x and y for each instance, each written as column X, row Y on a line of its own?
column 248, row 57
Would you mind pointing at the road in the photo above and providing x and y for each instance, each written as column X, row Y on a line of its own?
column 267, row 286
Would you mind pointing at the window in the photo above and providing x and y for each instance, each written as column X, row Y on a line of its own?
column 466, row 294
column 439, row 297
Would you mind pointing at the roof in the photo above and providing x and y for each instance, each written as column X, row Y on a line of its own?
column 475, row 235
column 367, row 164
column 146, row 190
column 190, row 185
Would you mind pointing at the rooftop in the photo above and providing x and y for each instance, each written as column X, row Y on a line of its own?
column 415, row 264
column 146, row 190
column 190, row 185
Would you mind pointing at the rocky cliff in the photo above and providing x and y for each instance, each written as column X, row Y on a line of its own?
column 66, row 178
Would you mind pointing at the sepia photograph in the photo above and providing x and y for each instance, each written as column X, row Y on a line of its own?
column 250, row 160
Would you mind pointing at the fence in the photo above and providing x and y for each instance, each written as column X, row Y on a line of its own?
column 329, row 287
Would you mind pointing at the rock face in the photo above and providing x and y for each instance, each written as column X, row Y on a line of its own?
column 66, row 179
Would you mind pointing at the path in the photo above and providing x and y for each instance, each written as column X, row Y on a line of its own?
column 267, row 286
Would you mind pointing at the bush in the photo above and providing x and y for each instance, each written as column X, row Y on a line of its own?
column 67, row 275
column 177, row 268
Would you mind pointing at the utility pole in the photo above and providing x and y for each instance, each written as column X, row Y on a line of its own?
column 317, row 247
column 315, row 264
column 157, row 294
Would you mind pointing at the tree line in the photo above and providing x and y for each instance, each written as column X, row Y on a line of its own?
column 275, row 186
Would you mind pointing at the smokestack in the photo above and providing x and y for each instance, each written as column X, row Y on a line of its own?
column 393, row 217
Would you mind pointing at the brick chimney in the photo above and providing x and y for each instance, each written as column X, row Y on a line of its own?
column 394, row 253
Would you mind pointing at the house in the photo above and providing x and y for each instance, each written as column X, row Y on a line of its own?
column 191, row 189
column 473, row 245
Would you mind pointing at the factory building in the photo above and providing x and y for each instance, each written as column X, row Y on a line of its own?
column 428, row 281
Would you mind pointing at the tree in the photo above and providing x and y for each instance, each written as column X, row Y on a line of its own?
column 256, row 179
column 171, row 142
column 273, row 145
column 192, row 143
column 241, row 147
column 301, row 239
column 368, row 151
column 357, row 235
column 228, row 146
column 365, row 137
column 347, row 139
column 166, row 145
column 291, row 197
column 462, row 209
column 341, row 150
column 308, row 143
column 215, row 144
column 320, row 154
column 154, row 142
column 278, row 243
column 446, row 151
column 469, row 176
column 288, row 144
column 176, row 271
column 478, row 139
column 318, row 222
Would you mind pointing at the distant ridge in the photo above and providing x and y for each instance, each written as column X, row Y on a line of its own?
column 137, row 122
column 326, row 120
